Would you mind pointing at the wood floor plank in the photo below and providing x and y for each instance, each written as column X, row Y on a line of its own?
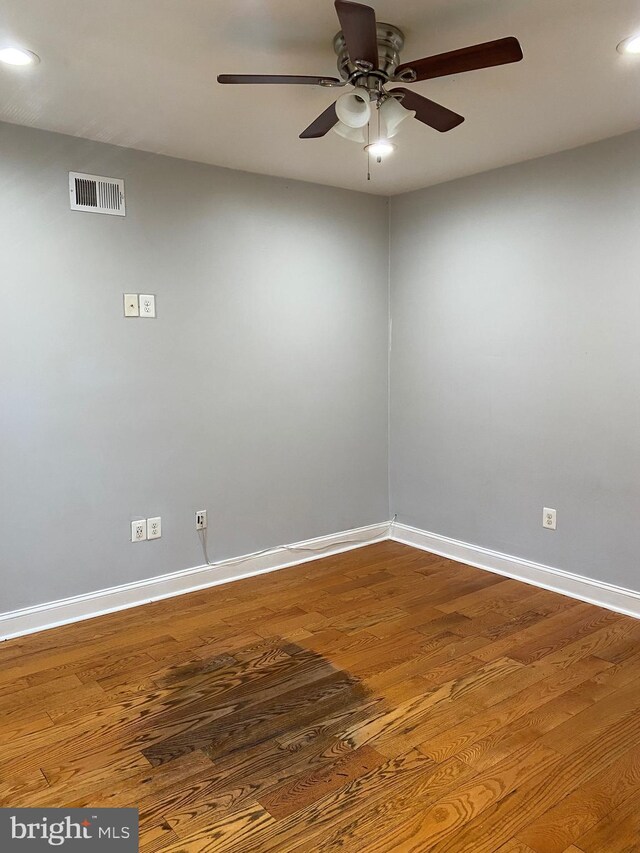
column 310, row 787
column 213, row 796
column 552, row 641
column 488, row 599
column 266, row 719
column 506, row 712
column 301, row 830
column 515, row 846
column 622, row 633
column 380, row 700
column 229, row 833
column 32, row 696
column 406, row 822
column 22, row 785
column 618, row 832
column 156, row 838
column 356, row 825
column 507, row 818
column 596, row 719
column 557, row 828
column 529, row 728
column 403, row 720
column 540, row 629
column 142, row 783
column 509, row 624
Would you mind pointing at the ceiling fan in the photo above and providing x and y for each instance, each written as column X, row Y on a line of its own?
column 369, row 59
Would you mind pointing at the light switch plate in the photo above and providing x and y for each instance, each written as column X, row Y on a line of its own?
column 147, row 305
column 131, row 308
column 154, row 528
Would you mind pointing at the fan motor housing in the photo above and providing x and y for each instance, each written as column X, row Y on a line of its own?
column 390, row 44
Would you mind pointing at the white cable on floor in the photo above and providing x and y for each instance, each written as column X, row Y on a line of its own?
column 293, row 548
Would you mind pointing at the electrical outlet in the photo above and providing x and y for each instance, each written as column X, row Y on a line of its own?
column 201, row 519
column 147, row 305
column 154, row 528
column 139, row 530
column 131, row 307
column 549, row 518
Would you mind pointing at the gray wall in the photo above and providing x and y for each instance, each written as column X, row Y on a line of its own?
column 516, row 359
column 259, row 392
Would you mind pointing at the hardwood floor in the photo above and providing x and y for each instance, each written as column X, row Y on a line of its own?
column 380, row 700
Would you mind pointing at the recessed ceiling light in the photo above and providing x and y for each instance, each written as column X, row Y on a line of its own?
column 380, row 149
column 630, row 45
column 18, row 56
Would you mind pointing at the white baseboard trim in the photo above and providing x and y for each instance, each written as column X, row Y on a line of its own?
column 603, row 594
column 52, row 614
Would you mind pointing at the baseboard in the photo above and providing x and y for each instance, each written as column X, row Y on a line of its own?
column 55, row 613
column 52, row 614
column 607, row 595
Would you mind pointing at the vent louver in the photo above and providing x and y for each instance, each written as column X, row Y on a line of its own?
column 96, row 194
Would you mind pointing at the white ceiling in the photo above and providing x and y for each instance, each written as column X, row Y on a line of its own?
column 141, row 73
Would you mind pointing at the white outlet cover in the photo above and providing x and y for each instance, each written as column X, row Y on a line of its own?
column 201, row 519
column 154, row 528
column 131, row 308
column 147, row 305
column 549, row 518
column 139, row 530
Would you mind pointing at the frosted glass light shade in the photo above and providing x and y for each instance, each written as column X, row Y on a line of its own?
column 392, row 114
column 353, row 134
column 353, row 110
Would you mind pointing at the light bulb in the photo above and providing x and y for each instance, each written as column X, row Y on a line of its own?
column 630, row 45
column 380, row 149
column 17, row 56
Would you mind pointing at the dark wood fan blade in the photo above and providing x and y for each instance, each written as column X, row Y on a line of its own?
column 280, row 78
column 358, row 24
column 428, row 112
column 322, row 125
column 499, row 52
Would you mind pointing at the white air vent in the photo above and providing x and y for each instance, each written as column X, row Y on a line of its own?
column 96, row 194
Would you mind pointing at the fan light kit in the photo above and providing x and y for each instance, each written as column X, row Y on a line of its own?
column 380, row 148
column 18, row 56
column 630, row 45
column 369, row 60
